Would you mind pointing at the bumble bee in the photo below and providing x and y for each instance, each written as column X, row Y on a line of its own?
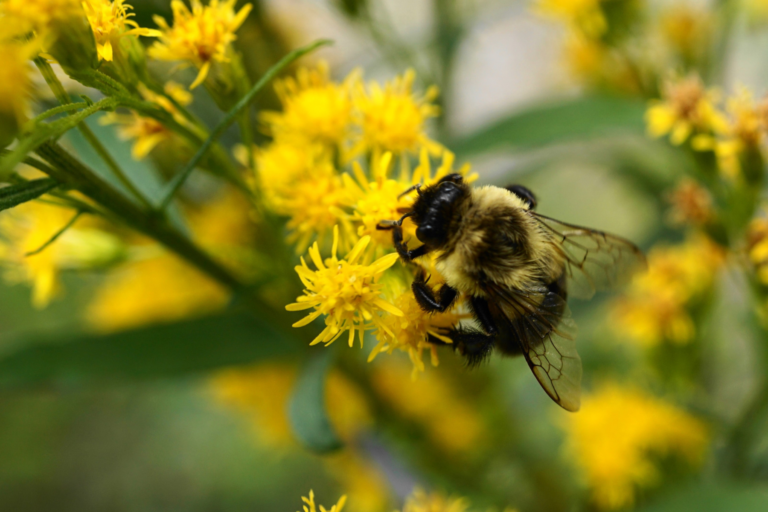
column 516, row 269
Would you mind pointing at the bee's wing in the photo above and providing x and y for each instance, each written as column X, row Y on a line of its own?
column 595, row 260
column 540, row 322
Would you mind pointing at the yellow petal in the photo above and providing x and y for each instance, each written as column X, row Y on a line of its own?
column 201, row 75
column 307, row 319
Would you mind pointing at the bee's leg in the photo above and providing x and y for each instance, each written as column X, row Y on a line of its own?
column 525, row 194
column 473, row 344
column 426, row 297
column 401, row 247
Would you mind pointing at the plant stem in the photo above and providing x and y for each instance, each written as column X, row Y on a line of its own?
column 69, row 171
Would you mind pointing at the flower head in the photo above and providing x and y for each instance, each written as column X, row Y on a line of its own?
column 110, row 20
column 617, row 435
column 315, row 109
column 201, row 36
column 309, row 504
column 685, row 109
column 347, row 292
column 393, row 118
column 420, row 501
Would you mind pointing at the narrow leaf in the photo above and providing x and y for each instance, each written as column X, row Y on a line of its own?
column 307, row 407
column 567, row 121
column 14, row 195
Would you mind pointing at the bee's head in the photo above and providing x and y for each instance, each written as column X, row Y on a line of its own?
column 436, row 209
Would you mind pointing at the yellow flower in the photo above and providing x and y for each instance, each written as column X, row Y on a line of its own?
column 15, row 88
column 22, row 16
column 433, row 401
column 411, row 331
column 109, row 21
column 420, row 501
column 685, row 109
column 149, row 132
column 27, row 227
column 392, row 118
column 315, row 109
column 200, row 37
column 584, row 16
column 619, row 433
column 346, row 292
column 654, row 307
column 158, row 288
column 686, row 29
column 310, row 504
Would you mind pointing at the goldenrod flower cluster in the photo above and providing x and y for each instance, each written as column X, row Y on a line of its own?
column 200, row 37
column 689, row 112
column 419, row 501
column 619, row 434
column 657, row 305
column 376, row 130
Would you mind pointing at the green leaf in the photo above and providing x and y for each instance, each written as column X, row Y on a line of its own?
column 170, row 350
column 306, row 410
column 14, row 195
column 43, row 132
column 712, row 497
column 577, row 119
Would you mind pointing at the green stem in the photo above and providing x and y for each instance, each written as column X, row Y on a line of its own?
column 70, row 171
column 61, row 95
column 231, row 116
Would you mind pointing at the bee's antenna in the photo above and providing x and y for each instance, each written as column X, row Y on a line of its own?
column 416, row 187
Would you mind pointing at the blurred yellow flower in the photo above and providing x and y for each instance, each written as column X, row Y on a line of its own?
column 584, row 16
column 148, row 132
column 310, row 504
column 685, row 109
column 364, row 484
column 153, row 289
column 109, row 20
column 22, row 16
column 15, row 88
column 393, row 118
column 201, row 36
column 654, row 307
column 619, row 433
column 28, row 227
column 315, row 109
column 744, row 131
column 450, row 419
column 346, row 292
column 420, row 501
column 686, row 29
